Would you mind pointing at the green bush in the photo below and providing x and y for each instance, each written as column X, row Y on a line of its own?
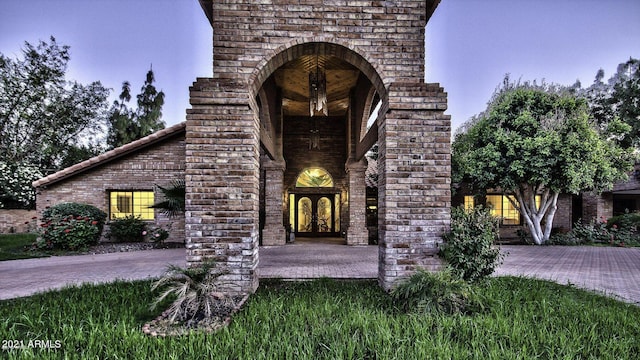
column 75, row 209
column 468, row 246
column 624, row 229
column 68, row 233
column 581, row 233
column 620, row 230
column 70, row 226
column 441, row 292
column 127, row 229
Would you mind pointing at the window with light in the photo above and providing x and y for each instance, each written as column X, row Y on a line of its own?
column 128, row 203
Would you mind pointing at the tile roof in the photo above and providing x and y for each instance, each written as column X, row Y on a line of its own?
column 111, row 155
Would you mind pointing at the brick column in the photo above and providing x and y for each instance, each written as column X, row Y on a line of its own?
column 596, row 206
column 274, row 232
column 357, row 233
column 414, row 195
column 222, row 181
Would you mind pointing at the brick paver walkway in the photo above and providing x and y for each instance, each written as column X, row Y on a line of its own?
column 614, row 271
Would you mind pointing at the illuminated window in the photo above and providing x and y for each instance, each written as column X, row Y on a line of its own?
column 501, row 207
column 469, row 202
column 314, row 177
column 127, row 203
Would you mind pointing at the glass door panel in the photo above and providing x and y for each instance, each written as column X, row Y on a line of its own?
column 305, row 215
column 325, row 219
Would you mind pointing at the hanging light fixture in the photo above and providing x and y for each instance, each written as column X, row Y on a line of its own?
column 318, row 91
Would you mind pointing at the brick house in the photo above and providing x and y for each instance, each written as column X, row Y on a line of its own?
column 587, row 206
column 300, row 91
column 123, row 181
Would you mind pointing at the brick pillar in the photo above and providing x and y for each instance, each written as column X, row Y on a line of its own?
column 414, row 180
column 357, row 233
column 596, row 206
column 274, row 232
column 222, row 181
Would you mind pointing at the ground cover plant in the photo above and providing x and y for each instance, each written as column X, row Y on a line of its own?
column 437, row 292
column 328, row 319
column 620, row 230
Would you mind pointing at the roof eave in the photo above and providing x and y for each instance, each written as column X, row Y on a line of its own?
column 112, row 155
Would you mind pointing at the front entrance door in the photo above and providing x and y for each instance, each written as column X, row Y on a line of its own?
column 315, row 215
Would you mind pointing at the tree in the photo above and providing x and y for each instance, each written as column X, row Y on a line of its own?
column 537, row 140
column 127, row 125
column 618, row 101
column 44, row 119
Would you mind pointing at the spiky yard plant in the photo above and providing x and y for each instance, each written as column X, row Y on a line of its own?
column 439, row 292
column 196, row 290
column 174, row 198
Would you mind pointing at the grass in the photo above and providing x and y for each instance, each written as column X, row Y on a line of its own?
column 326, row 319
column 14, row 246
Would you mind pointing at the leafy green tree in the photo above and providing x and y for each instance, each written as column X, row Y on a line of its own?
column 537, row 140
column 126, row 124
column 45, row 120
column 618, row 101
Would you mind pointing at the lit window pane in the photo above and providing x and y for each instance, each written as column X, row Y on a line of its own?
column 494, row 204
column 510, row 215
column 314, row 177
column 128, row 203
column 468, row 202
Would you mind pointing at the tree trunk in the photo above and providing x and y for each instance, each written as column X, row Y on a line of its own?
column 534, row 215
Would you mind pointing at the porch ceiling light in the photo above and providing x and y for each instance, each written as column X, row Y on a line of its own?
column 318, row 91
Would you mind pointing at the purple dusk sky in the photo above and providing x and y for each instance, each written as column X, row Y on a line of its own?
column 471, row 44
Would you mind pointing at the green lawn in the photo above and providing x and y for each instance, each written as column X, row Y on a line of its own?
column 326, row 319
column 13, row 246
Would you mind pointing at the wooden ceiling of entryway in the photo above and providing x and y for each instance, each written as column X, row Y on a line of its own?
column 293, row 79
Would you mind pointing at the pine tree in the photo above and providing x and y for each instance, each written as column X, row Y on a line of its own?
column 126, row 124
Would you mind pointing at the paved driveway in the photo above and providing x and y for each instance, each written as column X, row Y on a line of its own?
column 614, row 271
column 28, row 276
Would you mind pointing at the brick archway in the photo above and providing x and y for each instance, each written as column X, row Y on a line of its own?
column 385, row 42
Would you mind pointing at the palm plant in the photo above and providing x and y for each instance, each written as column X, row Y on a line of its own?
column 196, row 291
column 174, row 195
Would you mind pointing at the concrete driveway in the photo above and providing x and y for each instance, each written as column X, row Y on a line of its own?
column 612, row 271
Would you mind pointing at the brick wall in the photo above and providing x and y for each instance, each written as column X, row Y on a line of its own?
column 158, row 164
column 391, row 34
column 15, row 221
column 331, row 155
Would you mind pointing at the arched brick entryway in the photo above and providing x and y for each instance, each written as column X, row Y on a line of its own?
column 236, row 117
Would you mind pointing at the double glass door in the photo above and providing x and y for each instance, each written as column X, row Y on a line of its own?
column 315, row 215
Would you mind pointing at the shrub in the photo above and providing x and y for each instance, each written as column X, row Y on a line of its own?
column 68, row 233
column 441, row 292
column 197, row 298
column 619, row 230
column 75, row 210
column 468, row 246
column 624, row 228
column 70, row 226
column 127, row 229
column 157, row 235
